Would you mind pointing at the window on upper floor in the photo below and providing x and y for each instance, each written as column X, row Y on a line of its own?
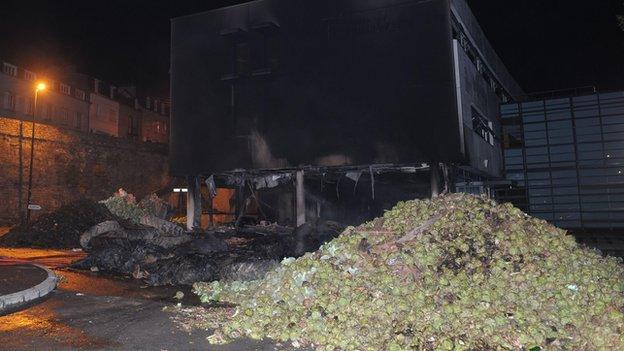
column 483, row 127
column 9, row 69
column 78, row 120
column 28, row 106
column 9, row 101
column 64, row 116
column 28, row 75
column 133, row 126
column 48, row 111
column 65, row 89
column 80, row 94
column 19, row 105
column 242, row 58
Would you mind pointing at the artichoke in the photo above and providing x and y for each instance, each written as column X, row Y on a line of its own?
column 458, row 272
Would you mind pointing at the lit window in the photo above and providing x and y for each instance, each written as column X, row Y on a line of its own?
column 65, row 89
column 9, row 69
column 28, row 75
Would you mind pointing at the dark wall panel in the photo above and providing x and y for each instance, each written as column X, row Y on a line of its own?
column 275, row 83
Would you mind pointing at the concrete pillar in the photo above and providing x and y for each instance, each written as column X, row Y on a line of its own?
column 435, row 179
column 300, row 199
column 193, row 203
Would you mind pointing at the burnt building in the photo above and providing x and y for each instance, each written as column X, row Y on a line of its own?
column 274, row 91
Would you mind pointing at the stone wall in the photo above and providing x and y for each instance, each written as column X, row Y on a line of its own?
column 70, row 165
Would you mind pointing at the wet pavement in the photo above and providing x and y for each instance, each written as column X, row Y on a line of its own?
column 90, row 311
column 17, row 277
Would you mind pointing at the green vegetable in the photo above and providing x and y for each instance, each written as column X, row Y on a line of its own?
column 481, row 276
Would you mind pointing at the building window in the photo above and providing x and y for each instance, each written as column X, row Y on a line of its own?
column 64, row 116
column 9, row 69
column 161, row 127
column 47, row 112
column 28, row 106
column 133, row 126
column 482, row 127
column 242, row 63
column 80, row 94
column 65, row 89
column 28, row 75
column 9, row 101
column 20, row 105
column 148, row 103
column 78, row 121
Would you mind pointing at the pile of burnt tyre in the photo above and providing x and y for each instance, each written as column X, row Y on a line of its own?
column 140, row 242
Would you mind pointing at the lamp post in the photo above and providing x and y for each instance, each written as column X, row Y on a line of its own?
column 38, row 88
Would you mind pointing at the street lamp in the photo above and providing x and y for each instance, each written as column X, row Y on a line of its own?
column 41, row 86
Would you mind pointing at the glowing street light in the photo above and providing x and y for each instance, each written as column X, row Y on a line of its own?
column 41, row 86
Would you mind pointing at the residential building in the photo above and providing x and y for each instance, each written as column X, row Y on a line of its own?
column 104, row 110
column 155, row 121
column 60, row 104
column 80, row 102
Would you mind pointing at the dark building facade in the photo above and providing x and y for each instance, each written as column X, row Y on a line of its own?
column 565, row 158
column 336, row 89
column 279, row 84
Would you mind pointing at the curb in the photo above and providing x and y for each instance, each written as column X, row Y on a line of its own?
column 11, row 302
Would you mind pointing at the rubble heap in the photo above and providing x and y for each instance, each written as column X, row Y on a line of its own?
column 59, row 229
column 142, row 244
column 160, row 252
column 454, row 273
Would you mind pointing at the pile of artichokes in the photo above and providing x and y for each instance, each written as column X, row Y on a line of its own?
column 454, row 273
column 124, row 205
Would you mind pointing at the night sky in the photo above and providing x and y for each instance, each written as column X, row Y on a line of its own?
column 546, row 44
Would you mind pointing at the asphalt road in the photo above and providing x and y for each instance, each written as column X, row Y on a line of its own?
column 93, row 312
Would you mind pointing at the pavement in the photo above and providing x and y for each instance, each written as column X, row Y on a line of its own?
column 22, row 284
column 92, row 311
column 18, row 277
column 71, row 321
